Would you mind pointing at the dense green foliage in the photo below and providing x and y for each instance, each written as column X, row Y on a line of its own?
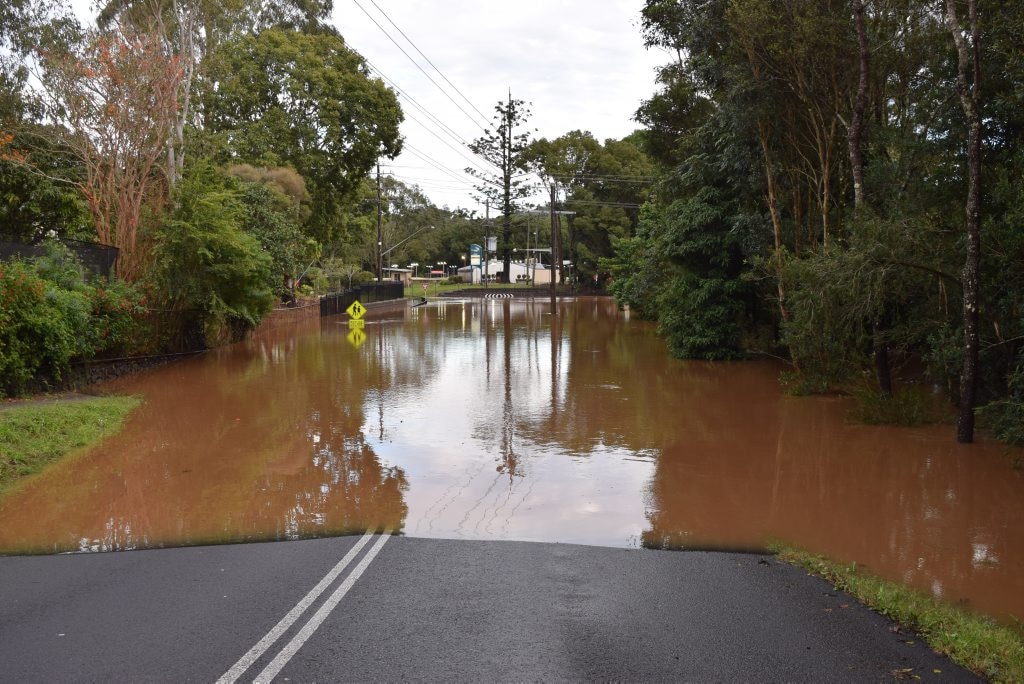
column 755, row 239
column 50, row 317
column 33, row 436
column 290, row 97
column 223, row 148
column 206, row 261
column 604, row 185
column 692, row 281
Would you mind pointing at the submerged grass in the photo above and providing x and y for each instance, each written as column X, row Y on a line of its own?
column 34, row 436
column 973, row 641
column 906, row 406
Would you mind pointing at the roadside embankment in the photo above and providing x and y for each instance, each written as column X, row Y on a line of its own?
column 973, row 641
column 38, row 432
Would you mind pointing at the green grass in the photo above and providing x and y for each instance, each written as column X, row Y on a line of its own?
column 34, row 436
column 973, row 641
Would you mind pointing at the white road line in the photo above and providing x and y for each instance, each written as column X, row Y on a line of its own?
column 254, row 653
column 318, row 618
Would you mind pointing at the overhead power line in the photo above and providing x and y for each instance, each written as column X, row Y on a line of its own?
column 487, row 122
column 448, row 130
column 437, row 165
column 444, row 142
column 415, row 63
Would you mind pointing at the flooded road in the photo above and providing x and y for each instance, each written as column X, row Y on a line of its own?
column 499, row 420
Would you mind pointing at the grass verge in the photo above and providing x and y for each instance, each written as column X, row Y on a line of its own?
column 973, row 641
column 34, row 436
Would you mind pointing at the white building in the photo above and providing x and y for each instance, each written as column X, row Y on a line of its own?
column 520, row 271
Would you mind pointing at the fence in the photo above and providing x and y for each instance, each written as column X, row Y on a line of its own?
column 336, row 303
column 95, row 258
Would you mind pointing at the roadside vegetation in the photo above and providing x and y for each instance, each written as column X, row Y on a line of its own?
column 35, row 435
column 811, row 181
column 973, row 641
column 825, row 174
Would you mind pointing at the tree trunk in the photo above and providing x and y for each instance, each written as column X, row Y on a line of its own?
column 856, row 133
column 969, row 60
column 855, row 138
column 773, row 209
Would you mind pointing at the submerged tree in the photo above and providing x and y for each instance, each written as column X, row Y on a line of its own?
column 969, row 90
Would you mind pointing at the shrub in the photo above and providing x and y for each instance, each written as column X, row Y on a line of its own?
column 205, row 261
column 41, row 328
column 117, row 319
column 907, row 406
column 1006, row 416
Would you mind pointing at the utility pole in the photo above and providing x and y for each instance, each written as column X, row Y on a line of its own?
column 487, row 238
column 528, row 253
column 553, row 229
column 380, row 233
column 557, row 252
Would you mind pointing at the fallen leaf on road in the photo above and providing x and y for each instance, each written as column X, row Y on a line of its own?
column 903, row 673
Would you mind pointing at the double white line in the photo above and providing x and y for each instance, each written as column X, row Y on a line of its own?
column 293, row 646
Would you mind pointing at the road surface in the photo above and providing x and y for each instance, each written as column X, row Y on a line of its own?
column 393, row 608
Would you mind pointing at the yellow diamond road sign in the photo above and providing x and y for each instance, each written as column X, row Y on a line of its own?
column 356, row 310
column 356, row 337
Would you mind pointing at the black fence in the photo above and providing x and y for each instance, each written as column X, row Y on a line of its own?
column 336, row 303
column 96, row 259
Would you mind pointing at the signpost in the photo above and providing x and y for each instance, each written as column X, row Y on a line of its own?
column 355, row 312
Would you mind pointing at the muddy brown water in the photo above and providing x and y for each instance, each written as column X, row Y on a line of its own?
column 499, row 420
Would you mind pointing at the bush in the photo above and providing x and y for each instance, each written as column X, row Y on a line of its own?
column 50, row 317
column 117, row 319
column 206, row 262
column 41, row 328
column 363, row 277
column 907, row 407
column 1006, row 416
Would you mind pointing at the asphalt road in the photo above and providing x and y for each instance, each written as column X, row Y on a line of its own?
column 393, row 608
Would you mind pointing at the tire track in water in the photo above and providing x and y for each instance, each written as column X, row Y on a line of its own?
column 465, row 518
column 508, row 497
column 454, row 498
column 512, row 513
column 442, row 497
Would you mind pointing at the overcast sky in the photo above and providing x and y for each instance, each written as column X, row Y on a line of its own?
column 581, row 63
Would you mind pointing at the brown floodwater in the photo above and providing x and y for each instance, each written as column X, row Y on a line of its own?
column 499, row 420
